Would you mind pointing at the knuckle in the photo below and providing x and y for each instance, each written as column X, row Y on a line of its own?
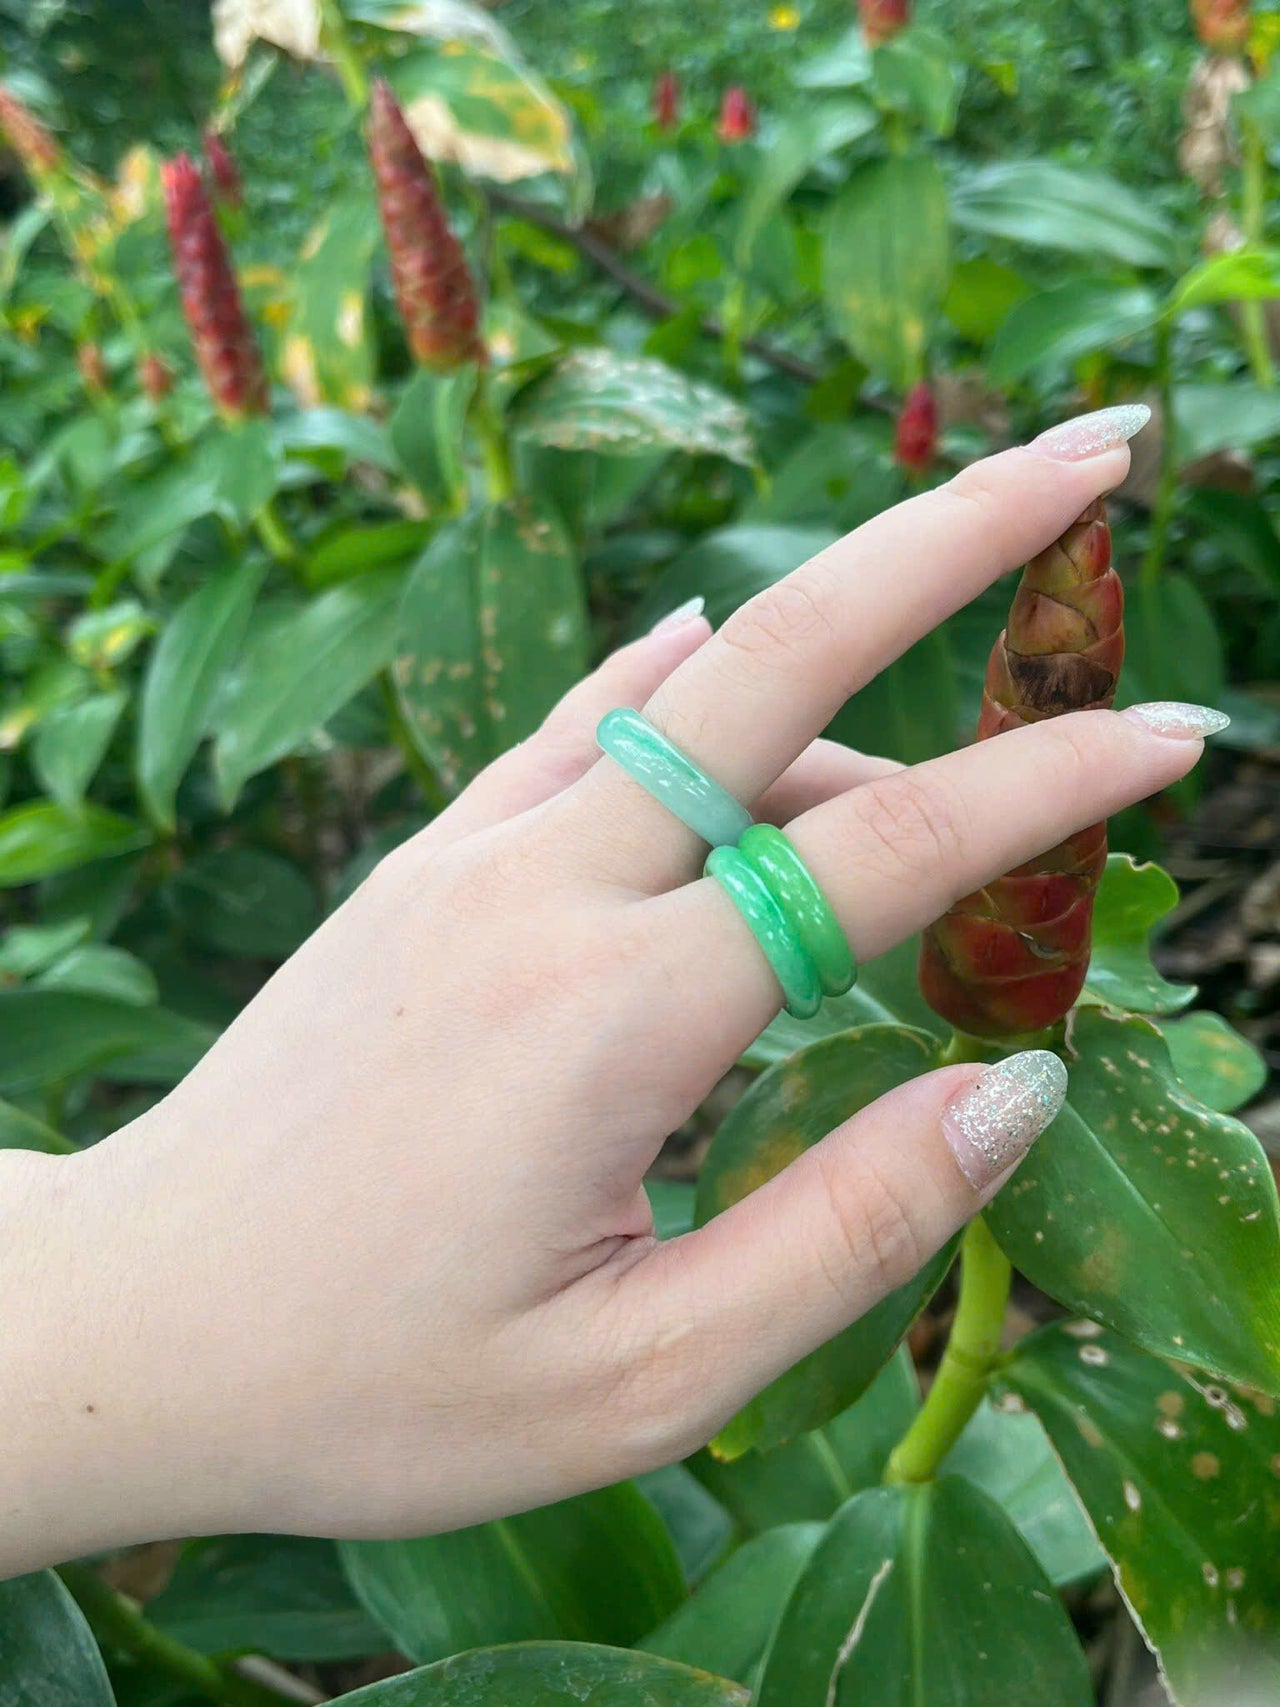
column 916, row 826
column 973, row 489
column 876, row 1239
column 794, row 614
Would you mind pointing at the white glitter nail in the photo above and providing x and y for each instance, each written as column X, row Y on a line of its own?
column 998, row 1118
column 681, row 614
column 1175, row 717
column 1090, row 435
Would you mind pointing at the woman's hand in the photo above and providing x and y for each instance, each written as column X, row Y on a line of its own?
column 383, row 1263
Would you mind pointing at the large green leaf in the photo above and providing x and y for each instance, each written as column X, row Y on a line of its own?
column 1224, row 416
column 789, row 1108
column 48, row 1657
column 428, row 432
column 22, row 1131
column 796, row 143
column 1131, row 901
column 327, row 352
column 601, row 1565
column 1243, row 275
column 1058, row 207
column 39, row 839
column 923, row 1597
column 1066, row 322
column 71, row 742
column 1181, row 1479
column 726, row 1625
column 1173, row 647
column 698, row 1524
column 244, row 901
column 491, row 632
column 886, row 260
column 910, row 711
column 47, row 1036
column 728, row 566
column 1213, row 1062
column 297, row 670
column 551, row 1674
column 629, row 406
column 887, row 992
column 1150, row 1212
column 271, row 1594
column 183, row 677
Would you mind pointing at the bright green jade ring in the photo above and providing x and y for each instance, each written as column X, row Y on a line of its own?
column 757, row 867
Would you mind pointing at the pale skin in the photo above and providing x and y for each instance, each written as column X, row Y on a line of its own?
column 383, row 1264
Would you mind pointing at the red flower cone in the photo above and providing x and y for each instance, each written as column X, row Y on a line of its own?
column 883, row 19
column 439, row 305
column 223, row 171
column 1222, row 25
column 915, row 439
column 28, row 138
column 737, row 116
column 224, row 343
column 666, row 101
column 1012, row 958
column 92, row 369
column 154, row 376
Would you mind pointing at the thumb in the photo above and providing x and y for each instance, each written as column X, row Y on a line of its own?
column 782, row 1271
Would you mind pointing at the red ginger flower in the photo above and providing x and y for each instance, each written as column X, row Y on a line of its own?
column 224, row 342
column 154, row 376
column 737, row 116
column 1012, row 958
column 434, row 288
column 666, row 101
column 883, row 19
column 92, row 368
column 915, row 440
column 223, row 170
column 28, row 138
column 1222, row 25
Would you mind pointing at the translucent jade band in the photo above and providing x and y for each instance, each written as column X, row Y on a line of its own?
column 803, row 905
column 672, row 778
column 749, row 892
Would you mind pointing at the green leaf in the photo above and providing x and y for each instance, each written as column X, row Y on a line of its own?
column 909, row 711
column 726, row 1625
column 297, row 670
column 629, row 406
column 788, row 1109
column 886, row 260
column 698, row 1524
column 923, row 1597
column 244, row 901
column 837, row 474
column 160, row 507
column 47, row 1036
column 1213, row 1062
column 27, row 949
column 1058, row 326
column 98, row 969
column 22, row 1131
column 1149, row 1212
column 50, row 1658
column 1240, row 529
column 355, row 437
column 917, row 73
column 887, row 992
column 599, row 1565
column 551, row 1674
column 71, row 742
column 245, row 461
column 38, row 839
column 184, row 675
column 1058, row 207
column 1173, row 648
column 327, row 353
column 981, row 296
column 491, row 633
column 1006, row 1454
column 1213, row 417
column 1131, row 901
column 672, row 1205
column 350, row 551
column 270, row 1594
column 103, row 639
column 730, row 565
column 796, row 144
column 1179, row 1478
column 1244, row 275
column 428, row 432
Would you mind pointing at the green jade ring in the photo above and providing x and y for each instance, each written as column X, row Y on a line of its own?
column 672, row 778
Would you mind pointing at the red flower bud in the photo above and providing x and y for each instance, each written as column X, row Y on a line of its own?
column 1222, row 25
column 92, row 368
column 28, row 138
column 737, row 116
column 224, row 343
column 915, row 441
column 223, row 171
column 666, row 101
column 154, row 376
column 883, row 19
column 434, row 288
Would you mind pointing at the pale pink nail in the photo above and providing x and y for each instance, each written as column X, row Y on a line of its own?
column 680, row 615
column 1177, row 719
column 997, row 1119
column 1091, row 435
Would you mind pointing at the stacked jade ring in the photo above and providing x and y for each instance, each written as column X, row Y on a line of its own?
column 756, row 866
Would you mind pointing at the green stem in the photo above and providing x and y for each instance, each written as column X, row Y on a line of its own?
column 339, row 46
column 1253, row 221
column 1167, row 487
column 428, row 782
column 118, row 1623
column 274, row 535
column 967, row 1362
column 495, row 446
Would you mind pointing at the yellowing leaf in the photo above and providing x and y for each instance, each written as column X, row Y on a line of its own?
column 293, row 25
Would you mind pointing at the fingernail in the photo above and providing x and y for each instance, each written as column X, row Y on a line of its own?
column 1175, row 718
column 680, row 615
column 1090, row 435
column 1000, row 1116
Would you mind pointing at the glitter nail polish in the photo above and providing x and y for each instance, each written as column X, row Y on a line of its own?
column 998, row 1118
column 1174, row 717
column 1091, row 435
column 680, row 615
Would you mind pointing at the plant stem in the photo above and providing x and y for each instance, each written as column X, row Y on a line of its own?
column 428, row 782
column 274, row 535
column 966, row 1364
column 349, row 65
column 118, row 1622
column 1253, row 220
column 1167, row 488
column 495, row 446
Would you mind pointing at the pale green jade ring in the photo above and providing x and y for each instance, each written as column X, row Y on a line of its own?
column 672, row 778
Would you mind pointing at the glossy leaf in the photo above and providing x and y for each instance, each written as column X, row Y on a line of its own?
column 297, row 670
column 672, row 1205
column 788, row 1109
column 428, row 432
column 726, row 1624
column 355, row 437
column 1220, row 416
column 243, row 901
column 1149, row 1212
column 71, row 742
column 1059, row 207
column 47, row 1036
column 796, row 144
column 887, row 992
column 22, row 1131
column 1243, row 275
column 698, row 1524
column 1213, row 1062
column 491, row 633
column 1131, row 901
column 886, row 260
column 1062, row 324
column 628, row 406
column 100, row 969
column 48, row 1657
column 327, row 353
column 923, row 1597
column 39, row 839
column 551, row 1674
column 184, row 674
column 600, row 1565
column 1181, row 1480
